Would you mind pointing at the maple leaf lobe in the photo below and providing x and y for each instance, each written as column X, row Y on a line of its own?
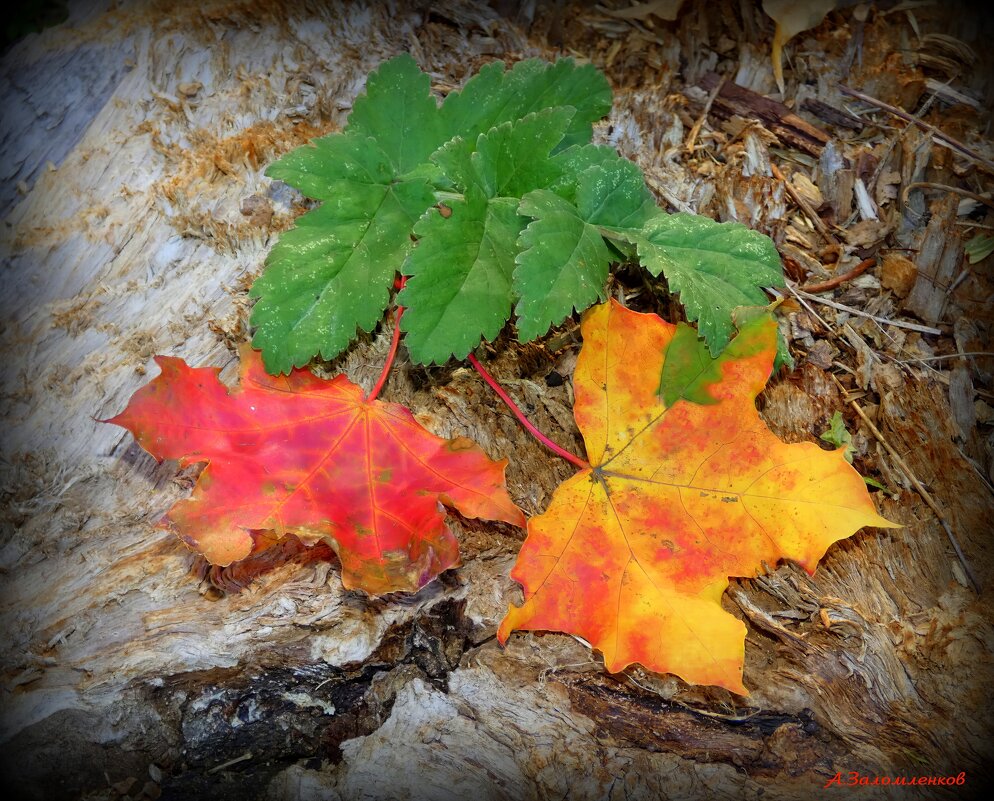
column 634, row 554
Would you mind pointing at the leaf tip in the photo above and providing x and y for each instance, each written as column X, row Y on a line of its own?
column 220, row 548
column 505, row 628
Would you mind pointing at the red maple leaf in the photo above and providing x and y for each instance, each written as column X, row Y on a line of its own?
column 313, row 457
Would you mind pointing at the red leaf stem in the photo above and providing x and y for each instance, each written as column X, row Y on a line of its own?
column 552, row 446
column 394, row 343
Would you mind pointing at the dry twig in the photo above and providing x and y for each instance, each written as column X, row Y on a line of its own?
column 922, row 329
column 940, row 137
column 838, row 280
column 945, row 188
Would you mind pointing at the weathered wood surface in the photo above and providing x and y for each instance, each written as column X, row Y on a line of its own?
column 146, row 216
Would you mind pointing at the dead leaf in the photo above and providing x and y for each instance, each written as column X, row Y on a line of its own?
column 298, row 454
column 898, row 274
column 634, row 554
column 792, row 17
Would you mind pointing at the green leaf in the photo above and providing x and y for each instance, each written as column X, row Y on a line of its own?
column 839, row 436
column 574, row 160
column 614, row 195
column 564, row 260
column 494, row 96
column 872, row 482
column 333, row 272
column 714, row 266
column 455, row 160
column 511, row 158
column 461, row 269
column 563, row 264
column 783, row 353
column 327, row 167
column 398, row 111
column 979, row 247
column 460, row 285
column 690, row 370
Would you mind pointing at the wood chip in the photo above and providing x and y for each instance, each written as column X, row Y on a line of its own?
column 836, row 181
column 961, row 397
column 807, row 189
column 832, row 115
column 788, row 127
column 939, row 255
column 898, row 274
column 190, row 89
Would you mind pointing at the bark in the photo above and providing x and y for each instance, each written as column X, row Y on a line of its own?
column 733, row 100
column 140, row 135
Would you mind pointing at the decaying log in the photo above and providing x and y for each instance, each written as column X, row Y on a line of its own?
column 123, row 666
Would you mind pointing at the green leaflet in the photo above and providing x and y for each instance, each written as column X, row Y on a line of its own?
column 563, row 264
column 494, row 96
column 460, row 286
column 714, row 266
column 331, row 166
column 460, row 290
column 614, row 195
column 839, row 436
column 511, row 158
column 564, row 260
column 398, row 111
column 333, row 272
column 573, row 161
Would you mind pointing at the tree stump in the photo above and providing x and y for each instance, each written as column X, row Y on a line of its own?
column 137, row 214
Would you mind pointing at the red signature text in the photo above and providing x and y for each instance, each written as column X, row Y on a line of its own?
column 854, row 779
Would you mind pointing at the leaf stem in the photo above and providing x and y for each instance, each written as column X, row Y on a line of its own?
column 394, row 343
column 552, row 446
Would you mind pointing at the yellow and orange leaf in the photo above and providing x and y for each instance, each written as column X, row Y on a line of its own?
column 299, row 454
column 633, row 554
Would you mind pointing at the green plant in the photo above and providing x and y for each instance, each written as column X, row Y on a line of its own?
column 491, row 202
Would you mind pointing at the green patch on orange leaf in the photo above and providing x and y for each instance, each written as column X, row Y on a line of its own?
column 690, row 370
column 635, row 553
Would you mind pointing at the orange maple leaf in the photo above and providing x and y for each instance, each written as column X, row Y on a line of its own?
column 633, row 555
column 300, row 454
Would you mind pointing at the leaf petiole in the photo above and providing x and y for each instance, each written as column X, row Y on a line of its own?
column 394, row 343
column 552, row 446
